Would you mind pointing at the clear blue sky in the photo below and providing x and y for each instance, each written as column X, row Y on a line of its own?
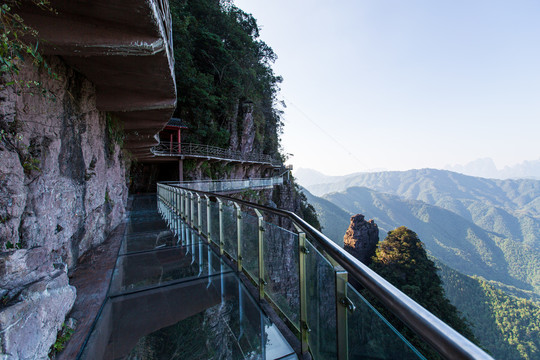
column 399, row 84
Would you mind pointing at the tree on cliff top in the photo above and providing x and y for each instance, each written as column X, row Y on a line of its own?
column 402, row 260
column 220, row 62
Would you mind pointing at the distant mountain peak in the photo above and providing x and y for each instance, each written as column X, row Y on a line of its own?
column 486, row 168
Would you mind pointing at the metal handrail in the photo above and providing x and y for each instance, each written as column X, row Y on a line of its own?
column 167, row 148
column 444, row 339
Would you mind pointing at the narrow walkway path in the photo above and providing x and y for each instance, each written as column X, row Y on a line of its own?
column 173, row 297
column 91, row 278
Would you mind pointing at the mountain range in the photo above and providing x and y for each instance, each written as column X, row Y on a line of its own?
column 483, row 227
column 483, row 233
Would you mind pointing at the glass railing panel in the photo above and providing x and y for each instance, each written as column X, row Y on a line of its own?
column 230, row 230
column 250, row 245
column 372, row 336
column 170, row 217
column 321, row 304
column 281, row 270
column 214, row 214
column 187, row 235
column 204, row 216
column 156, row 268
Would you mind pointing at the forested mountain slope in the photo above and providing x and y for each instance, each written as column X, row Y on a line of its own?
column 507, row 326
column 448, row 237
column 505, row 211
column 333, row 219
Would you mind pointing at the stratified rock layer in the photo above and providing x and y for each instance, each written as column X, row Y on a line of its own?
column 361, row 238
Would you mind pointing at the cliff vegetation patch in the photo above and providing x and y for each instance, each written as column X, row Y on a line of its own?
column 17, row 43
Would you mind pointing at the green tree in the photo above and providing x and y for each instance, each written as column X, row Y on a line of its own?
column 220, row 63
column 402, row 260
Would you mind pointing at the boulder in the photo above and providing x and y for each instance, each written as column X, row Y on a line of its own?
column 29, row 327
column 19, row 268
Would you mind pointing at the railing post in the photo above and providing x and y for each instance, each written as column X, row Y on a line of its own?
column 221, row 229
column 199, row 220
column 176, row 211
column 168, row 202
column 182, row 204
column 192, row 209
column 262, row 282
column 174, row 200
column 342, row 305
column 304, row 327
column 238, row 237
column 187, row 205
column 179, row 202
column 209, row 219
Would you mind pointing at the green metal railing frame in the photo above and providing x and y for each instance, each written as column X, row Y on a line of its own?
column 445, row 340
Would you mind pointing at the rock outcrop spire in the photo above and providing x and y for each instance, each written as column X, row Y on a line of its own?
column 361, row 238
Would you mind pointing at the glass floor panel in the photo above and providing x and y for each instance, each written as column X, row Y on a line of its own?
column 144, row 270
column 173, row 297
column 143, row 218
column 148, row 241
column 144, row 202
column 140, row 226
column 212, row 318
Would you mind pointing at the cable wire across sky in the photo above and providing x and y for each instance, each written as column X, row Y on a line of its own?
column 307, row 117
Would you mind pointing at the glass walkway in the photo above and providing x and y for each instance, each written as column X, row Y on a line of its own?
column 176, row 291
column 173, row 297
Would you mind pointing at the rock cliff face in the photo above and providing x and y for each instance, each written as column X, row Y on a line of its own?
column 361, row 238
column 242, row 131
column 62, row 190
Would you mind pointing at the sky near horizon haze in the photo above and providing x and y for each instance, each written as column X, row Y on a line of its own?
column 395, row 85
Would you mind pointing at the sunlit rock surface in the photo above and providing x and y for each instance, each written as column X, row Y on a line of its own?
column 361, row 238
